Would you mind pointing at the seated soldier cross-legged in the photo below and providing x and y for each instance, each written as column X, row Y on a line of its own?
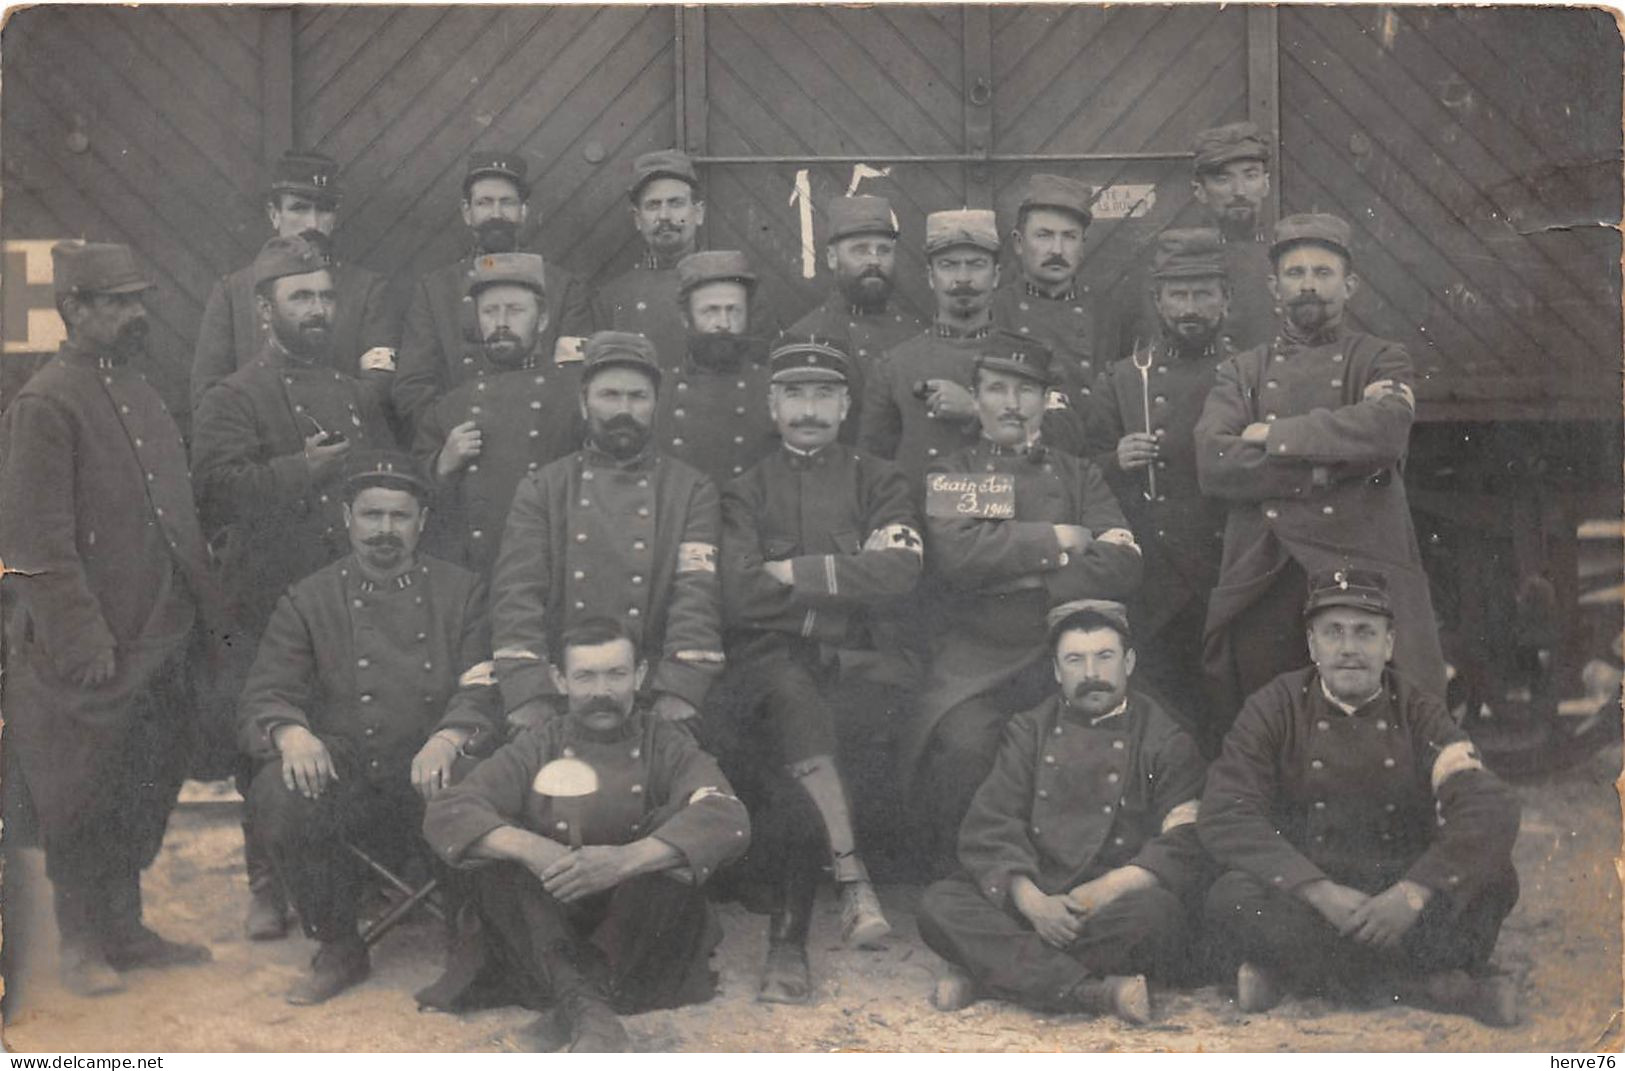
column 1368, row 850
column 594, row 834
column 1079, row 851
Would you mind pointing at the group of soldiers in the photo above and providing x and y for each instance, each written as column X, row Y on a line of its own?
column 593, row 594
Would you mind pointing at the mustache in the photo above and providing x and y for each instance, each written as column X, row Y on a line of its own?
column 599, row 704
column 317, row 322
column 1089, row 687
column 384, row 539
column 810, row 422
column 1307, row 299
column 502, row 334
column 1056, row 260
column 622, row 422
column 964, row 290
column 872, row 273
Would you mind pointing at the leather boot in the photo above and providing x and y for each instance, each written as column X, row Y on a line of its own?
column 1257, row 989
column 954, row 989
column 84, row 968
column 582, row 1006
column 1492, row 1000
column 862, row 921
column 129, row 944
column 1124, row 996
column 785, row 977
column 268, row 905
column 337, row 966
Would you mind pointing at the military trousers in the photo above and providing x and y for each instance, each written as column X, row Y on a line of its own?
column 95, row 863
column 1141, row 932
column 1248, row 921
column 1262, row 642
column 645, row 944
column 960, row 754
column 306, row 838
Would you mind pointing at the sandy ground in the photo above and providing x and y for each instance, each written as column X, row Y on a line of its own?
column 1562, row 942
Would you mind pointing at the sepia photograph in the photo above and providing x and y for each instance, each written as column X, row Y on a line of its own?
column 811, row 527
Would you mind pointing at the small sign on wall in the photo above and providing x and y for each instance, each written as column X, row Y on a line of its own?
column 28, row 319
column 1128, row 201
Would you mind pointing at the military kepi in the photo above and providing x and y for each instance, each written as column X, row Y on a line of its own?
column 1007, row 351
column 807, row 359
column 662, row 163
column 310, row 174
column 618, row 349
column 1062, row 615
column 714, row 266
column 1188, row 253
column 288, row 256
column 490, row 163
column 1362, row 589
column 1058, row 192
column 1219, row 145
column 384, row 468
column 961, row 226
column 1317, row 228
column 859, row 214
column 519, row 269
column 95, row 268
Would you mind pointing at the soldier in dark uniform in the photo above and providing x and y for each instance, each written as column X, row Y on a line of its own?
column 1001, row 557
column 441, row 343
column 667, row 211
column 859, row 316
column 107, row 563
column 917, row 406
column 1304, row 438
column 303, row 201
column 1369, row 851
column 480, row 440
column 374, row 676
column 616, row 529
column 596, row 904
column 817, row 537
column 710, row 413
column 1152, row 468
column 1231, row 181
column 1079, row 851
column 267, row 444
column 1043, row 298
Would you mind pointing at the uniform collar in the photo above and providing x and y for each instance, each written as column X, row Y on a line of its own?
column 79, row 356
column 1033, row 291
column 1033, row 449
column 1169, row 348
column 947, row 330
column 592, row 457
column 1077, row 716
column 806, row 459
column 650, row 262
column 1345, row 707
column 1291, row 336
column 351, row 571
column 631, row 728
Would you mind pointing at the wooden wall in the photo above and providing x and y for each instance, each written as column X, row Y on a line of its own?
column 1477, row 152
column 134, row 125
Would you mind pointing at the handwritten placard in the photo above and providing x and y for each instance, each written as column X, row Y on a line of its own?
column 967, row 494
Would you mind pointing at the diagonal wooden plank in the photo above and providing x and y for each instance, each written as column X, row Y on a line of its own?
column 894, row 58
column 1391, row 303
column 1073, row 63
column 1423, row 168
column 575, row 58
column 934, row 32
column 426, row 133
column 131, row 114
column 597, row 96
column 198, row 125
column 1407, row 261
column 354, row 29
column 383, row 61
column 192, row 37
